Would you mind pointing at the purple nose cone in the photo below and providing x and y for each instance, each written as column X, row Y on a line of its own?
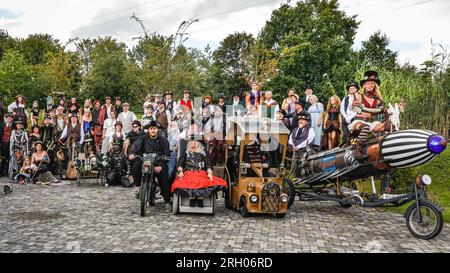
column 436, row 144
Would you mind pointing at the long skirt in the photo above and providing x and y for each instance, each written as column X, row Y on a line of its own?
column 198, row 184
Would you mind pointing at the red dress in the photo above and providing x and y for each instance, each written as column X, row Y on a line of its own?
column 195, row 181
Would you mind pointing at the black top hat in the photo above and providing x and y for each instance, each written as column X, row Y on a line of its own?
column 353, row 83
column 153, row 123
column 307, row 86
column 300, row 102
column 370, row 76
column 136, row 122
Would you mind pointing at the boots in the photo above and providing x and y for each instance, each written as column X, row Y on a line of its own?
column 359, row 152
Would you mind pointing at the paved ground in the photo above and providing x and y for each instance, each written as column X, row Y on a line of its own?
column 90, row 218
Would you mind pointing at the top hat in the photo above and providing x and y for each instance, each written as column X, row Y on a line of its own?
column 370, row 76
column 153, row 123
column 353, row 83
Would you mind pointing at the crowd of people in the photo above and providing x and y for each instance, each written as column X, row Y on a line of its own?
column 29, row 147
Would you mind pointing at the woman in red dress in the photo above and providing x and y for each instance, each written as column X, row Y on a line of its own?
column 195, row 175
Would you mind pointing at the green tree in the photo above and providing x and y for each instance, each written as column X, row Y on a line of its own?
column 6, row 42
column 231, row 72
column 111, row 73
column 309, row 39
column 36, row 46
column 16, row 75
column 375, row 52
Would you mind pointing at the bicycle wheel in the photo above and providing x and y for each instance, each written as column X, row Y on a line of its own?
column 143, row 196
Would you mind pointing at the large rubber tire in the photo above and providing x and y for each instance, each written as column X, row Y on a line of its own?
column 176, row 204
column 281, row 215
column 428, row 212
column 213, row 203
column 288, row 187
column 345, row 205
column 243, row 207
column 227, row 192
column 152, row 193
column 80, row 177
column 143, row 198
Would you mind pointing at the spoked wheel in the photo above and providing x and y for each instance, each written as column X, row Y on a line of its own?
column 7, row 189
column 143, row 195
column 102, row 177
column 288, row 188
column 431, row 224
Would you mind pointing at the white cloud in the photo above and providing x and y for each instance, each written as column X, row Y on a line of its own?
column 406, row 22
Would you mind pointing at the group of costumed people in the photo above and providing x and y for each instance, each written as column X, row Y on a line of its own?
column 167, row 127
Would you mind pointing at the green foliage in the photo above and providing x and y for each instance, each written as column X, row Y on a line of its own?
column 15, row 74
column 6, row 42
column 111, row 72
column 375, row 52
column 310, row 39
column 36, row 46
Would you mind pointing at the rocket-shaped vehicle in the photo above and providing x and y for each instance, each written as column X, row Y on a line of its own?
column 396, row 150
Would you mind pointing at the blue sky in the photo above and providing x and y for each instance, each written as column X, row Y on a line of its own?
column 9, row 14
column 410, row 24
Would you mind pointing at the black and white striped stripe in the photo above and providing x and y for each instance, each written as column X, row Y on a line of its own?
column 407, row 148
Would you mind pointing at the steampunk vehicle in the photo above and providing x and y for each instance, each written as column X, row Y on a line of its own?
column 88, row 164
column 337, row 175
column 257, row 185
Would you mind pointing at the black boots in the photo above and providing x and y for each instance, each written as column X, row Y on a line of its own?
column 200, row 203
column 192, row 203
column 359, row 151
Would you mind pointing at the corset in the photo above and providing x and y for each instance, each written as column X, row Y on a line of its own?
column 195, row 161
column 333, row 114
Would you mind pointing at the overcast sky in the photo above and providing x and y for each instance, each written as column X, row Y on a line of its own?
column 410, row 24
